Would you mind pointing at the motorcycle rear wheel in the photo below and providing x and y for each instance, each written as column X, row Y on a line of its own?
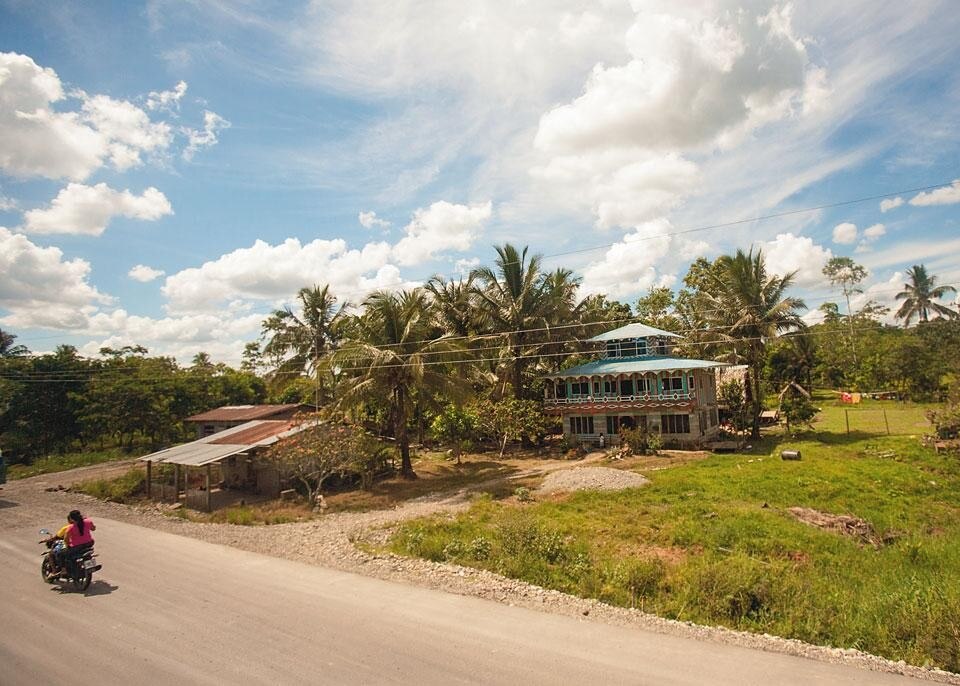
column 83, row 583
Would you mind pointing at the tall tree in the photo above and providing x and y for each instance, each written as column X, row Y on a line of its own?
column 394, row 357
column 846, row 273
column 300, row 342
column 514, row 298
column 920, row 295
column 751, row 307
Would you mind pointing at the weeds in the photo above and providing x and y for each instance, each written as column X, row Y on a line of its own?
column 121, row 489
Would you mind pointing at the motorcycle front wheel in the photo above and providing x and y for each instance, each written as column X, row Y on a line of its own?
column 46, row 571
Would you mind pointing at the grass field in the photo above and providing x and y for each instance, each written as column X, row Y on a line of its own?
column 713, row 541
column 60, row 463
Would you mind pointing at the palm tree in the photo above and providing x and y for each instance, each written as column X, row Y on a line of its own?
column 454, row 305
column 750, row 307
column 8, row 349
column 919, row 297
column 395, row 357
column 300, row 343
column 515, row 301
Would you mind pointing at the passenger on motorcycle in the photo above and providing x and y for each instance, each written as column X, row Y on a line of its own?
column 77, row 538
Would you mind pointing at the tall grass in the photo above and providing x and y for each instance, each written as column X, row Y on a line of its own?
column 713, row 542
column 60, row 463
column 121, row 489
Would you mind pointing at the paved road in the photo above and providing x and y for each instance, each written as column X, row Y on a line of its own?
column 167, row 609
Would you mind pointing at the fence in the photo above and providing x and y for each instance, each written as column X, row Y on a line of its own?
column 891, row 421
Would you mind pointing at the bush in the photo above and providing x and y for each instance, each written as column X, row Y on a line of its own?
column 641, row 441
column 643, row 578
column 523, row 494
column 121, row 489
column 946, row 420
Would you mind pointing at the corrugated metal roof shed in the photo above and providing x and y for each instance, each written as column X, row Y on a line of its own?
column 625, row 365
column 237, row 439
column 240, row 413
column 631, row 331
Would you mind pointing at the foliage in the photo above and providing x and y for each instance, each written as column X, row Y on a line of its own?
column 946, row 419
column 510, row 419
column 321, row 451
column 798, row 412
column 7, row 347
column 457, row 426
column 730, row 395
column 641, row 441
column 655, row 309
column 59, row 463
column 122, row 489
column 920, row 296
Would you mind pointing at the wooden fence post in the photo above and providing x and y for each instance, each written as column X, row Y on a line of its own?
column 846, row 413
column 149, row 477
column 885, row 421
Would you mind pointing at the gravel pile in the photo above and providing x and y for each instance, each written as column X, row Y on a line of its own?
column 591, row 479
column 331, row 541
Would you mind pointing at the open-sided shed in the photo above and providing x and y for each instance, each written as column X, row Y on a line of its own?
column 233, row 450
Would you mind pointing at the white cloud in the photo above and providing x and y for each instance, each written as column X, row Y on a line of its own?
column 275, row 272
column 7, row 204
column 126, row 130
column 80, row 209
column 442, row 226
column 630, row 266
column 874, row 231
column 213, row 123
column 370, row 220
column 845, row 233
column 39, row 288
column 890, row 204
column 466, row 265
column 34, row 140
column 144, row 274
column 790, row 253
column 167, row 100
column 947, row 195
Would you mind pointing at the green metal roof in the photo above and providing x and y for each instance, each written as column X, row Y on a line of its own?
column 631, row 331
column 631, row 365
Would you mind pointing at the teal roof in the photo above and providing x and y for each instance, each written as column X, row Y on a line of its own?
column 630, row 365
column 631, row 331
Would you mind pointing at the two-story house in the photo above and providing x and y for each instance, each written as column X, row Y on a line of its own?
column 637, row 383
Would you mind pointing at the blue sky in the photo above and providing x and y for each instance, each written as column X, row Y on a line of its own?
column 172, row 171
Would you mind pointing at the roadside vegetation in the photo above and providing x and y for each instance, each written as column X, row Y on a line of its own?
column 58, row 463
column 715, row 542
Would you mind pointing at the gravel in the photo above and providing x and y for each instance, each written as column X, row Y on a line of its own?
column 331, row 541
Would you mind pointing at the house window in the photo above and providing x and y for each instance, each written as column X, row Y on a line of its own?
column 646, row 385
column 628, row 348
column 609, row 387
column 675, row 423
column 641, row 346
column 690, row 383
column 596, row 388
column 561, row 390
column 661, row 348
column 672, row 383
column 613, row 349
column 209, row 429
column 581, row 425
column 626, row 387
column 580, row 388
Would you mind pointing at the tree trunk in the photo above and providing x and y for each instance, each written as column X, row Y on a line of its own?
column 400, row 431
column 757, row 403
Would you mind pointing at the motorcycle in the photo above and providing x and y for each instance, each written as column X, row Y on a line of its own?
column 84, row 566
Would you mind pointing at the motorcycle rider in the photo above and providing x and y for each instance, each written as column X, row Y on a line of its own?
column 77, row 538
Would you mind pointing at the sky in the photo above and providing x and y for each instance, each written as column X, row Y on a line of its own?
column 173, row 171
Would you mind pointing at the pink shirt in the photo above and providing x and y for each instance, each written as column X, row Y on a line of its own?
column 75, row 538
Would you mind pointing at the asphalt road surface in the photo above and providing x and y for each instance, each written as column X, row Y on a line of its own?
column 172, row 610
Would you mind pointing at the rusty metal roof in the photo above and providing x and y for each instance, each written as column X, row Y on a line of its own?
column 243, row 413
column 237, row 439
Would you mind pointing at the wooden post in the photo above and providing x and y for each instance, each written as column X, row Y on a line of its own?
column 885, row 421
column 846, row 413
column 176, row 484
column 149, row 477
column 207, row 479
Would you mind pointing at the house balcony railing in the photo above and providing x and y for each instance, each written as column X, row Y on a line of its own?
column 668, row 397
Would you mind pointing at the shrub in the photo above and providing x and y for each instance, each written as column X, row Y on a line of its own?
column 643, row 578
column 121, row 489
column 641, row 441
column 523, row 494
column 480, row 548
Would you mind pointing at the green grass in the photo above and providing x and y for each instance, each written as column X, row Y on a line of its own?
column 60, row 463
column 122, row 489
column 712, row 542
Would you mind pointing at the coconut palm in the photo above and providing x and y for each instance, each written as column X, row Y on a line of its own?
column 750, row 307
column 920, row 295
column 300, row 342
column 8, row 349
column 395, row 357
column 515, row 301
